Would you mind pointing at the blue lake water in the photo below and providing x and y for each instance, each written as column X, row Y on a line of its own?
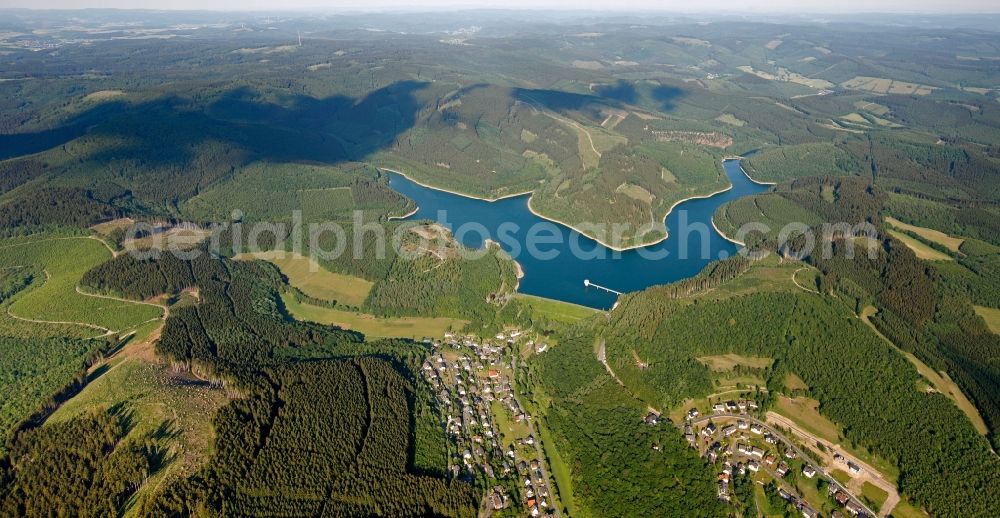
column 564, row 258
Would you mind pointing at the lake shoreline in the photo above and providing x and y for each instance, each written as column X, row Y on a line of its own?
column 666, row 233
column 456, row 193
column 404, row 216
column 745, row 173
column 627, row 271
column 723, row 234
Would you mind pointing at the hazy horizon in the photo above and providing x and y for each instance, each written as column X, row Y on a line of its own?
column 708, row 6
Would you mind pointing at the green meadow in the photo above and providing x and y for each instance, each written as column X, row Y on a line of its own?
column 64, row 260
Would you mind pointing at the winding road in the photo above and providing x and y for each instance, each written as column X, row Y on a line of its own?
column 796, row 281
column 105, row 331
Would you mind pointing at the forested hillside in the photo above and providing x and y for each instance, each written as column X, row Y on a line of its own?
column 602, row 133
column 285, row 444
column 326, row 437
column 77, row 467
column 924, row 307
column 811, row 336
column 170, row 386
column 598, row 428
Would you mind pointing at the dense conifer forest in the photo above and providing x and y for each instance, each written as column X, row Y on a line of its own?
column 354, row 415
column 888, row 127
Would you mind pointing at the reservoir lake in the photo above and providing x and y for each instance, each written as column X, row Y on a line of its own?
column 559, row 273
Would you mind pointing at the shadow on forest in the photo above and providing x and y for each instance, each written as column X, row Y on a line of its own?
column 660, row 97
column 173, row 132
column 665, row 95
column 159, row 153
column 329, row 130
column 623, row 91
column 17, row 144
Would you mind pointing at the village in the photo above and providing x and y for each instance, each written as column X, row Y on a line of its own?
column 746, row 449
column 492, row 438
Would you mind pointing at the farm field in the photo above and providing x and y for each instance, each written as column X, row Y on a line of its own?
column 883, row 85
column 227, row 386
column 935, row 236
column 805, row 412
column 556, row 310
column 369, row 325
column 65, row 260
column 991, row 316
column 921, row 250
column 315, row 281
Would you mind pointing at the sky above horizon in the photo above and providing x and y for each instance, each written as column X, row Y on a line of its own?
column 789, row 6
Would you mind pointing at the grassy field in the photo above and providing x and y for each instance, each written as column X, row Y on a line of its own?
column 934, row 236
column 794, row 382
column 806, row 278
column 805, row 412
column 873, row 494
column 108, row 227
column 884, row 85
column 731, row 119
column 807, row 488
column 507, row 428
column 370, row 325
column 729, row 381
column 726, row 362
column 768, row 274
column 763, row 504
column 177, row 237
column 905, row 509
column 312, row 279
column 991, row 316
column 560, row 472
column 591, row 142
column 65, row 260
column 840, row 476
column 921, row 250
column 10, row 326
column 556, row 310
column 266, row 191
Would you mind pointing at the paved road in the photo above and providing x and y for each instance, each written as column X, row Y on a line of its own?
column 868, row 474
column 602, row 356
column 542, row 465
column 802, row 454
